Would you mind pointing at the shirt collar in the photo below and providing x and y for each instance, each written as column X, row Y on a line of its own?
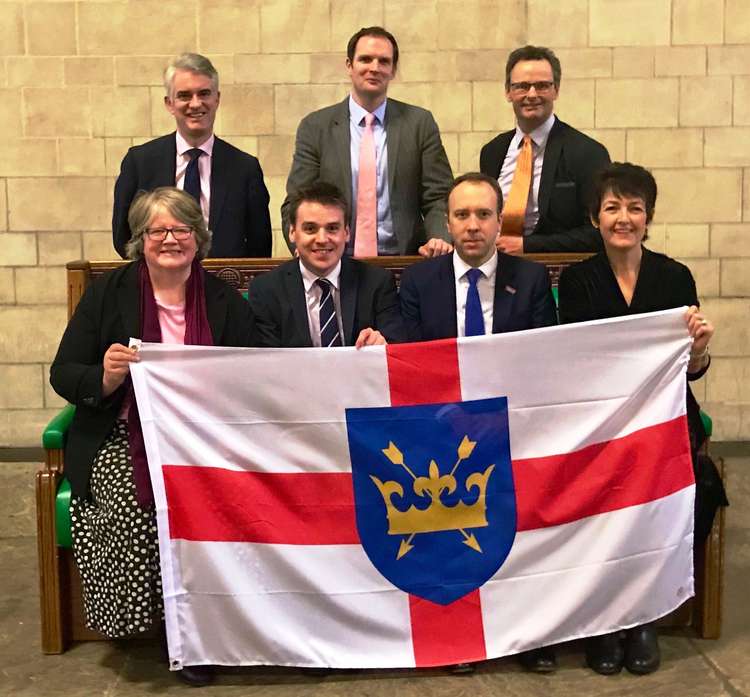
column 538, row 136
column 357, row 113
column 460, row 267
column 183, row 146
column 309, row 278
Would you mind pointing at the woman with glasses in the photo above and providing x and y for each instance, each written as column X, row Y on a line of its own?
column 626, row 279
column 163, row 295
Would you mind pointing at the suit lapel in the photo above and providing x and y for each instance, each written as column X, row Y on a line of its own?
column 503, row 145
column 340, row 134
column 504, row 279
column 551, row 157
column 295, row 292
column 349, row 287
column 216, row 309
column 162, row 166
column 392, row 127
column 444, row 294
column 219, row 183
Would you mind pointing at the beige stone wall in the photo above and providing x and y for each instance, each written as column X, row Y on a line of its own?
column 665, row 83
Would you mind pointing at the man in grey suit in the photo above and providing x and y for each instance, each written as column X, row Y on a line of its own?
column 411, row 170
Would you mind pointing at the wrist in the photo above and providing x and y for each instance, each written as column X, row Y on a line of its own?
column 700, row 354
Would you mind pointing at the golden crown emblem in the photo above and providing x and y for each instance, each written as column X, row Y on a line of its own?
column 437, row 516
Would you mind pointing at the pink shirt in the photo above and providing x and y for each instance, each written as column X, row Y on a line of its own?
column 204, row 168
column 172, row 325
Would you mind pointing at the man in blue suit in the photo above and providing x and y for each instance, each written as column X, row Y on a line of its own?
column 227, row 183
column 476, row 289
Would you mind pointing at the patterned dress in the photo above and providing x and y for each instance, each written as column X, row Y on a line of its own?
column 115, row 546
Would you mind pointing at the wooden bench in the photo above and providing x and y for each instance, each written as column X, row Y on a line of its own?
column 60, row 586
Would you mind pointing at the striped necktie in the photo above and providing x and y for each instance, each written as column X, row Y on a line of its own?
column 329, row 324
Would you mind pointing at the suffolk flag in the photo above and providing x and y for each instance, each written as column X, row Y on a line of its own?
column 419, row 504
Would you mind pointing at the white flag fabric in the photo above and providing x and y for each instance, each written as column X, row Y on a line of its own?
column 419, row 504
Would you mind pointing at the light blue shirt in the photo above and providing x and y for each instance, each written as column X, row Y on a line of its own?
column 387, row 243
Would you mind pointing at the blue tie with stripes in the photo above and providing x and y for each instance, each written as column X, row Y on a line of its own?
column 329, row 324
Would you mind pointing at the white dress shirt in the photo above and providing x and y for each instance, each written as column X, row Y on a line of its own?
column 539, row 138
column 204, row 169
column 313, row 293
column 485, row 286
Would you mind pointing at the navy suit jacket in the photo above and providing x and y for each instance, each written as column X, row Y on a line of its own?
column 238, row 215
column 523, row 298
column 279, row 308
column 571, row 159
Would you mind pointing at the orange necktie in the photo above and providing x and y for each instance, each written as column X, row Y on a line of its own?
column 366, row 231
column 514, row 210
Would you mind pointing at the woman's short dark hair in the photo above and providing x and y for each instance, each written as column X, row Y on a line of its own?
column 624, row 179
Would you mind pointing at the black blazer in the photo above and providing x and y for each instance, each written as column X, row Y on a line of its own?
column 238, row 215
column 571, row 159
column 368, row 299
column 523, row 298
column 108, row 313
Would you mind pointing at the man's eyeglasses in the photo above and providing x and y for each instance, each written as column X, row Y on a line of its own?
column 523, row 87
column 159, row 234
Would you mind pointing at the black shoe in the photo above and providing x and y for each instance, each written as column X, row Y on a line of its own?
column 605, row 654
column 462, row 669
column 197, row 676
column 541, row 660
column 642, row 655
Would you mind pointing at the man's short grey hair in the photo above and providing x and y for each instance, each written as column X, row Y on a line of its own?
column 195, row 63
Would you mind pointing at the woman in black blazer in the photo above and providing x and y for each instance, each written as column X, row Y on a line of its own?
column 628, row 279
column 164, row 295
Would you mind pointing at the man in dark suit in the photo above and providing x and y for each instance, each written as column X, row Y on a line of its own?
column 513, row 293
column 323, row 298
column 401, row 209
column 548, row 209
column 227, row 182
column 477, row 290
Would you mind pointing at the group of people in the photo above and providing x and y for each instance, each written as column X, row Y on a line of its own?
column 369, row 176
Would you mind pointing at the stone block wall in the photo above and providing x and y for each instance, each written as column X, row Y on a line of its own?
column 665, row 83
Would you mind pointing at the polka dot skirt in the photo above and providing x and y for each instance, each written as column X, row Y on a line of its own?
column 115, row 546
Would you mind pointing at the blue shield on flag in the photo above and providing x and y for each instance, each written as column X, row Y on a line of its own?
column 434, row 494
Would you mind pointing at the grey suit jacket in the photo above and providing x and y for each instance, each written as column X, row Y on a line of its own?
column 419, row 174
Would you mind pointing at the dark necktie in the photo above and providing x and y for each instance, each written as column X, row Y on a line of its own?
column 329, row 324
column 474, row 319
column 193, row 175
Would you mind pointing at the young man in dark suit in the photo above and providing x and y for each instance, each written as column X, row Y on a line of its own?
column 227, row 182
column 544, row 166
column 513, row 294
column 323, row 298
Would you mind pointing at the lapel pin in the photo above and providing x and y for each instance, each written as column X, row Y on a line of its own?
column 510, row 289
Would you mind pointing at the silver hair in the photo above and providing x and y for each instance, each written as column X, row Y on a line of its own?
column 193, row 62
column 179, row 205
